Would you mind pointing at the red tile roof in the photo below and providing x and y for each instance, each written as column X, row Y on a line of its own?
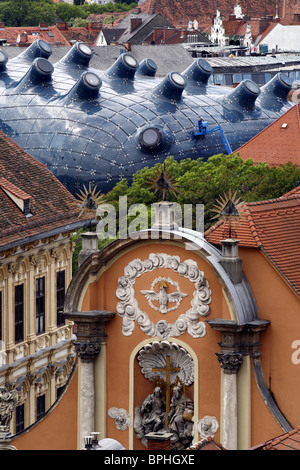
column 259, row 27
column 277, row 144
column 179, row 12
column 208, row 443
column 49, row 34
column 87, row 34
column 101, row 18
column 51, row 205
column 273, row 227
column 288, row 441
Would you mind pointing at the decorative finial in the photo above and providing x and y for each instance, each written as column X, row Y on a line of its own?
column 89, row 199
column 228, row 209
column 163, row 182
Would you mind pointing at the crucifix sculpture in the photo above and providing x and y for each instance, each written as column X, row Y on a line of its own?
column 167, row 369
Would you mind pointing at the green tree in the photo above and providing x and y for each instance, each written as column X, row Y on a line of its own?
column 204, row 182
column 27, row 12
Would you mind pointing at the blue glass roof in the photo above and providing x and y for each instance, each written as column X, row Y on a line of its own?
column 92, row 126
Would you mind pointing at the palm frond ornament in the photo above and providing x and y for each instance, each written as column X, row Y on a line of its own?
column 163, row 182
column 89, row 199
column 229, row 209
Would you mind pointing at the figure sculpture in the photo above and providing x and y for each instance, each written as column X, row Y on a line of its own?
column 153, row 411
column 180, row 419
column 8, row 402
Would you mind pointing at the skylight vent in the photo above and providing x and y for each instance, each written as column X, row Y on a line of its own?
column 21, row 199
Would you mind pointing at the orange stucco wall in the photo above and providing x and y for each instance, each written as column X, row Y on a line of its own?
column 102, row 295
column 279, row 304
column 58, row 429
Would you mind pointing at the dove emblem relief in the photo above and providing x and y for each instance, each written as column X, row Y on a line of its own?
column 160, row 299
column 162, row 296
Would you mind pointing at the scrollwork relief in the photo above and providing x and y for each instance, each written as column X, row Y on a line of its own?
column 129, row 310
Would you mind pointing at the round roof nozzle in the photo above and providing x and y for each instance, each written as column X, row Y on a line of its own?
column 38, row 48
column 199, row 71
column 244, row 95
column 41, row 71
column 278, row 87
column 87, row 87
column 3, row 60
column 124, row 67
column 150, row 138
column 79, row 54
column 147, row 67
column 171, row 87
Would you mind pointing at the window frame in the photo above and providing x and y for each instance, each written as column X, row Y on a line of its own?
column 40, row 305
column 19, row 310
column 60, row 296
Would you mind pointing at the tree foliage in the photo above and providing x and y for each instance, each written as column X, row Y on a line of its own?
column 32, row 12
column 27, row 12
column 204, row 182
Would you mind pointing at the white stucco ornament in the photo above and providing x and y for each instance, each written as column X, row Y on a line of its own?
column 128, row 308
column 121, row 417
column 207, row 426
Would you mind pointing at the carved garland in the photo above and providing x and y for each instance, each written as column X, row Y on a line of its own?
column 128, row 308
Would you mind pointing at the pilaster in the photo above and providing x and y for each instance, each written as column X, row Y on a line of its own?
column 237, row 341
column 89, row 328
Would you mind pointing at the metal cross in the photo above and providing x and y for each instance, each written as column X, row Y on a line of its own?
column 167, row 369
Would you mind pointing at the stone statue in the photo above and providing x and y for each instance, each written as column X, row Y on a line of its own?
column 153, row 411
column 180, row 419
column 8, row 402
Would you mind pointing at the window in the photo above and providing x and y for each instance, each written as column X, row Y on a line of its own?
column 19, row 418
column 40, row 305
column 19, row 313
column 59, row 391
column 60, row 296
column 237, row 78
column 40, row 406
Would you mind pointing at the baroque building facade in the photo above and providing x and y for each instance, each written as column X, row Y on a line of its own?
column 38, row 216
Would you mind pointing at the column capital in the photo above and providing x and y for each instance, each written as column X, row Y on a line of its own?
column 237, row 341
column 89, row 328
column 87, row 351
column 230, row 362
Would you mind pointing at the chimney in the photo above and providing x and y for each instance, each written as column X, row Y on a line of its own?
column 135, row 23
column 62, row 26
column 89, row 246
column 165, row 215
column 43, row 25
column 22, row 39
column 2, row 26
column 95, row 25
column 231, row 261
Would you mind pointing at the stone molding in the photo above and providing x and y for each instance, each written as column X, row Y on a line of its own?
column 89, row 328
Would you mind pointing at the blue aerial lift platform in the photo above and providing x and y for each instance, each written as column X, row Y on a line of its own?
column 202, row 130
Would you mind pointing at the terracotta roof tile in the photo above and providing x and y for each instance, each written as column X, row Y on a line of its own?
column 272, row 226
column 51, row 205
column 179, row 12
column 49, row 34
column 277, row 144
column 208, row 443
column 288, row 441
column 81, row 34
